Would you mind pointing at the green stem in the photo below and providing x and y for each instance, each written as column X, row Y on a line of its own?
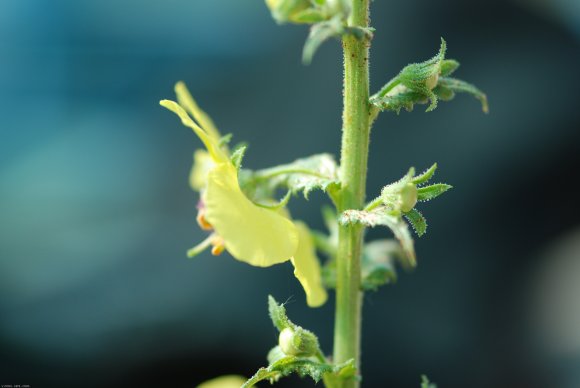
column 354, row 156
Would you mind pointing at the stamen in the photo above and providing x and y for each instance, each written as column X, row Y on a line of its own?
column 202, row 221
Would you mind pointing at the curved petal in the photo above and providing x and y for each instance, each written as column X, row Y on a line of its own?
column 185, row 100
column 257, row 236
column 229, row 381
column 211, row 143
column 307, row 268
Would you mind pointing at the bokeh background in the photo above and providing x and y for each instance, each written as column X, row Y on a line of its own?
column 96, row 213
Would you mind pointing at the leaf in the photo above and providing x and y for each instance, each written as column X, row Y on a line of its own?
column 382, row 216
column 417, row 221
column 378, row 264
column 303, row 367
column 307, row 174
column 427, row 193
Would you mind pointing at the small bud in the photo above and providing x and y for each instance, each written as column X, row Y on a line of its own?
column 298, row 342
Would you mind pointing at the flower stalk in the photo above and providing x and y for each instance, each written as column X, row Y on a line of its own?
column 354, row 157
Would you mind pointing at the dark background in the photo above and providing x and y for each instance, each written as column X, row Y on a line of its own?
column 96, row 213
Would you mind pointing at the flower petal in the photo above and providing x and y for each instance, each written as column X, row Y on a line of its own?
column 202, row 164
column 185, row 100
column 307, row 268
column 211, row 143
column 229, row 381
column 257, row 236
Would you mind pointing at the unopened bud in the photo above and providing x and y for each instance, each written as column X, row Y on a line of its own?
column 298, row 342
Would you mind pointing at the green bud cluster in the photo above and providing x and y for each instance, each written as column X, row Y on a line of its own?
column 428, row 81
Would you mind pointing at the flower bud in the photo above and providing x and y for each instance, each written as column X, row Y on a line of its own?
column 298, row 342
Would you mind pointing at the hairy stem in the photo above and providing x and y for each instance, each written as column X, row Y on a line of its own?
column 354, row 156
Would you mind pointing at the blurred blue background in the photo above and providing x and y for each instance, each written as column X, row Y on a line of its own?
column 96, row 213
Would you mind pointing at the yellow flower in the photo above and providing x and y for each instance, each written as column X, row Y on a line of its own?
column 229, row 381
column 252, row 234
column 258, row 236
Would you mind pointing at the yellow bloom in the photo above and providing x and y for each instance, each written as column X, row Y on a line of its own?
column 258, row 236
column 230, row 381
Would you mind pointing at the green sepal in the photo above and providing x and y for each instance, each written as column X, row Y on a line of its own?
column 319, row 33
column 448, row 67
column 425, row 383
column 447, row 87
column 238, row 156
column 278, row 315
column 425, row 176
column 378, row 264
column 385, row 217
column 225, row 140
column 417, row 221
column 427, row 193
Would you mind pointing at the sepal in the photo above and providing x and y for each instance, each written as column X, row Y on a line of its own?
column 428, row 193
